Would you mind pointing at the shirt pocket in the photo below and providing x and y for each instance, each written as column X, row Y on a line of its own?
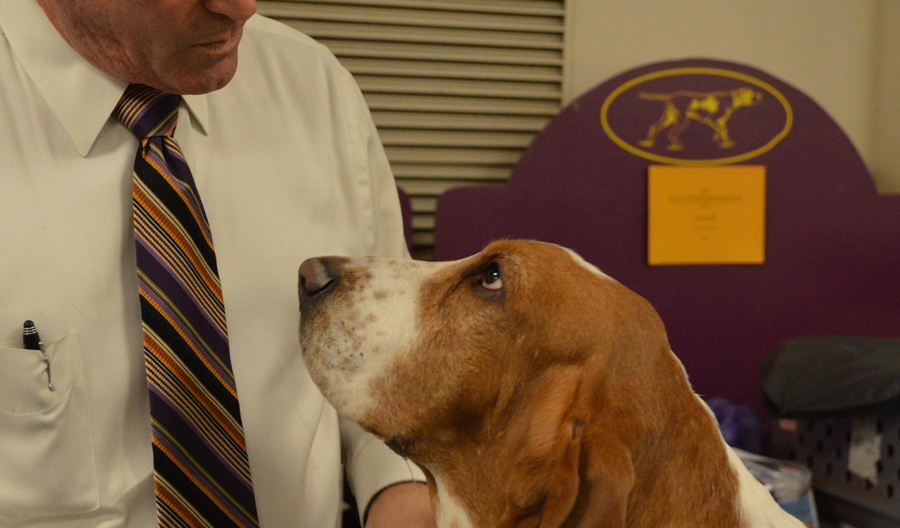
column 46, row 446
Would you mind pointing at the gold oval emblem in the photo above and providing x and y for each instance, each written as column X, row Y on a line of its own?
column 666, row 120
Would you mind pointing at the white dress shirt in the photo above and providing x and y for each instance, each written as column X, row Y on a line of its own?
column 288, row 165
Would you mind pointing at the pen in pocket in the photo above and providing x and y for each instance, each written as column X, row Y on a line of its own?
column 32, row 340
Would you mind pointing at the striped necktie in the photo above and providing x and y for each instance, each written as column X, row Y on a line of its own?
column 202, row 476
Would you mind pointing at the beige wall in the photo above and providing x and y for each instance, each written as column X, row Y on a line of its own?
column 844, row 53
column 885, row 130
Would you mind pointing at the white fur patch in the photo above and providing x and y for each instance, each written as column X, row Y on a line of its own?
column 449, row 513
column 590, row 267
column 758, row 508
column 372, row 323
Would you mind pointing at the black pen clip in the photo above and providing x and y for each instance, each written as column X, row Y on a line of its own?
column 32, row 341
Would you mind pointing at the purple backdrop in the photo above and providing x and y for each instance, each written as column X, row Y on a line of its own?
column 832, row 243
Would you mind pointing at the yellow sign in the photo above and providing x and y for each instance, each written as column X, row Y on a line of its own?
column 706, row 215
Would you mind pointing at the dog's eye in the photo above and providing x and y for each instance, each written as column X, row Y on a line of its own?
column 492, row 279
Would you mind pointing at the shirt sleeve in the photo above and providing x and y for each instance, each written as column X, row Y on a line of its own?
column 387, row 220
column 371, row 466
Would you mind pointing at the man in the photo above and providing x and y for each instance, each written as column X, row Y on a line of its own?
column 288, row 165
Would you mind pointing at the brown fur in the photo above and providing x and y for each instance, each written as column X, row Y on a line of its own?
column 555, row 402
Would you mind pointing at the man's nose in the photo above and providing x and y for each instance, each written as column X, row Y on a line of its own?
column 237, row 10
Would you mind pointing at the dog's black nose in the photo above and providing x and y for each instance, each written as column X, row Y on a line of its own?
column 318, row 277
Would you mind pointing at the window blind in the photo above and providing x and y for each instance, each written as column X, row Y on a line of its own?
column 457, row 88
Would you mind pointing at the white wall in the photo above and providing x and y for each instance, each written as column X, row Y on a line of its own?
column 845, row 54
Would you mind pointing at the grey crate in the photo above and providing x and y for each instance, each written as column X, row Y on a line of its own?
column 823, row 445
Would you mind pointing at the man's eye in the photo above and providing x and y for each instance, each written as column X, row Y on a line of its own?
column 492, row 279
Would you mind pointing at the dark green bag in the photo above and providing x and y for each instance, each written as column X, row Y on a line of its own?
column 819, row 376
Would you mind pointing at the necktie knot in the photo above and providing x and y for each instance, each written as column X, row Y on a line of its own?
column 148, row 112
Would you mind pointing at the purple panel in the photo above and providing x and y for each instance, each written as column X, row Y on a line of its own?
column 832, row 243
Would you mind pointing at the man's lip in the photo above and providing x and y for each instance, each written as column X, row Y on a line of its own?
column 215, row 42
column 220, row 40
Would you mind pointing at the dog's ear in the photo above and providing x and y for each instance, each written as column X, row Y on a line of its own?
column 564, row 484
column 605, row 481
column 556, row 474
column 592, row 481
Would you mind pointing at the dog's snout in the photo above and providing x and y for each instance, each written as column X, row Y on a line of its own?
column 317, row 278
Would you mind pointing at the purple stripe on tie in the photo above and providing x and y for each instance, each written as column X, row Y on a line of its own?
column 154, row 235
column 191, row 337
column 179, row 169
column 151, row 116
column 152, row 154
column 193, row 276
column 219, row 469
column 161, row 274
column 173, row 419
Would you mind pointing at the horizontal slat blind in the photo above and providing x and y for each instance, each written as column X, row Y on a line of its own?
column 457, row 88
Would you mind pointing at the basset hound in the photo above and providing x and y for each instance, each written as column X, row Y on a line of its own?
column 532, row 389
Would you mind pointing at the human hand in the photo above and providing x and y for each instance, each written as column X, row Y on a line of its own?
column 403, row 505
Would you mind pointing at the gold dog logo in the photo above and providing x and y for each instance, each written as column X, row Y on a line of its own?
column 661, row 137
column 712, row 109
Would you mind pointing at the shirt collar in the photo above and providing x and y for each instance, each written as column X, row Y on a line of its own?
column 81, row 96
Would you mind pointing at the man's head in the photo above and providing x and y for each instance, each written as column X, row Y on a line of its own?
column 179, row 46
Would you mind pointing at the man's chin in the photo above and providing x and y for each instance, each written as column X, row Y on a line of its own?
column 199, row 79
